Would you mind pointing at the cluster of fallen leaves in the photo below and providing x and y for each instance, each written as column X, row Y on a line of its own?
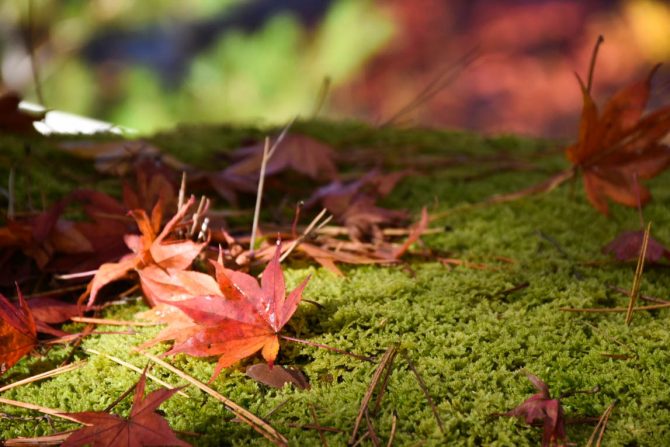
column 193, row 270
column 190, row 269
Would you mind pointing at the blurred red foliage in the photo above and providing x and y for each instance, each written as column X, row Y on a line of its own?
column 523, row 78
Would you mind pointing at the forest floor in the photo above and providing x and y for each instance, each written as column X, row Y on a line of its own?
column 472, row 305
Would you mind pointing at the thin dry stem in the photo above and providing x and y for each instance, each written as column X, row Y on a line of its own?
column 592, row 65
column 614, row 309
column 243, row 414
column 394, row 427
column 105, row 321
column 386, row 362
column 182, row 191
column 44, row 375
column 41, row 409
column 259, row 196
column 637, row 279
column 306, row 233
column 599, row 429
column 136, row 369
column 329, row 348
column 424, row 388
column 322, row 436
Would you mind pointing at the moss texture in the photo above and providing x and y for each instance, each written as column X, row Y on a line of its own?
column 466, row 335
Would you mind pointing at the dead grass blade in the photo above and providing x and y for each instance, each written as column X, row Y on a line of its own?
column 44, row 410
column 39, row 441
column 601, row 425
column 243, row 414
column 637, row 279
column 394, row 427
column 105, row 321
column 614, row 309
column 424, row 388
column 44, row 375
column 136, row 369
column 322, row 436
column 386, row 362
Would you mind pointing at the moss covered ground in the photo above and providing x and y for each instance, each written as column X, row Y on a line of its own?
column 467, row 331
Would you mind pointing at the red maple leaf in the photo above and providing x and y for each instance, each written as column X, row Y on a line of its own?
column 243, row 319
column 18, row 333
column 626, row 247
column 149, row 250
column 619, row 146
column 542, row 408
column 144, row 427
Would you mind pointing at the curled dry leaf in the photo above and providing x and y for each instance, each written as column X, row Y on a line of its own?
column 240, row 320
column 144, row 427
column 620, row 145
column 277, row 376
column 149, row 250
column 542, row 408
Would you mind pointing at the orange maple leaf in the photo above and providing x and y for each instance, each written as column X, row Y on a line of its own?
column 150, row 252
column 619, row 146
column 243, row 319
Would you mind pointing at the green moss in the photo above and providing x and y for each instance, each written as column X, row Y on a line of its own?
column 465, row 334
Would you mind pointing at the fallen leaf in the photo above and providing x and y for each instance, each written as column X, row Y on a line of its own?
column 144, row 427
column 300, row 153
column 277, row 376
column 542, row 408
column 243, row 319
column 18, row 334
column 620, row 145
column 149, row 249
column 626, row 247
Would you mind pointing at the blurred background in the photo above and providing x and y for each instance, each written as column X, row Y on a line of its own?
column 491, row 66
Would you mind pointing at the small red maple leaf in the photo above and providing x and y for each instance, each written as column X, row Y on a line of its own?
column 144, row 427
column 18, row 332
column 541, row 407
column 243, row 319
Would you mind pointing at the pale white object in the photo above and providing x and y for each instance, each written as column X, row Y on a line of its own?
column 57, row 122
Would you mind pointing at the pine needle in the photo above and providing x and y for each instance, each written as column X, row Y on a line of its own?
column 386, row 362
column 601, row 425
column 136, row 369
column 41, row 409
column 637, row 279
column 243, row 414
column 44, row 375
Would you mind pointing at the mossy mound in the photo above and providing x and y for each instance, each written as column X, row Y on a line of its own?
column 468, row 329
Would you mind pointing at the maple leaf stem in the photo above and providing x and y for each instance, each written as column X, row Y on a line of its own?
column 109, row 407
column 592, row 65
column 329, row 348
